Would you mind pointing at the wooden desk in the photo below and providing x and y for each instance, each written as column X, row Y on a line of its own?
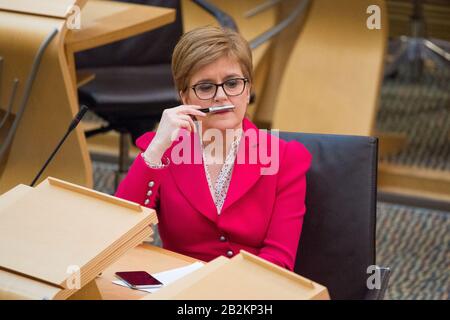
column 104, row 22
column 144, row 257
column 278, row 283
column 53, row 101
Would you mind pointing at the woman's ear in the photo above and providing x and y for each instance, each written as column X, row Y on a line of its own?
column 183, row 97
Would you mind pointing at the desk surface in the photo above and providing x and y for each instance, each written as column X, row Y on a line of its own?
column 104, row 22
column 144, row 257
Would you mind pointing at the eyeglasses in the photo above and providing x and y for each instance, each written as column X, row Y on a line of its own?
column 231, row 87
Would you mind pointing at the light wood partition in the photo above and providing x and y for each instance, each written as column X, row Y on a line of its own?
column 270, row 73
column 253, row 279
column 155, row 259
column 414, row 181
column 53, row 99
column 332, row 79
column 50, row 107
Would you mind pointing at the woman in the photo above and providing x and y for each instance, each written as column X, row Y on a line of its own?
column 217, row 196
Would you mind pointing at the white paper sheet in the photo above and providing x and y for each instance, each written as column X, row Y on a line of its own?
column 168, row 276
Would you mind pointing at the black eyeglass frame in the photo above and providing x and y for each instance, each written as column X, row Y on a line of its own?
column 217, row 85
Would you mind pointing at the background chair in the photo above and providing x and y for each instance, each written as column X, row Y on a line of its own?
column 133, row 81
column 426, row 19
column 337, row 244
column 133, row 78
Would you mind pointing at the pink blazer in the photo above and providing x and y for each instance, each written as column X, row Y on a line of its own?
column 262, row 214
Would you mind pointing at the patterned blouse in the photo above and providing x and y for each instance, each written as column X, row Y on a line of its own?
column 219, row 191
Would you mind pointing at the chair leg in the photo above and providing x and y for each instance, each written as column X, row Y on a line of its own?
column 124, row 148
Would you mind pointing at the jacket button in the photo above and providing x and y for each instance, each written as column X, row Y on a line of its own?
column 149, row 193
column 151, row 184
column 222, row 238
column 147, row 201
column 229, row 253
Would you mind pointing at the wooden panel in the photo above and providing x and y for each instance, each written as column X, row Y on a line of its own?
column 88, row 292
column 277, row 62
column 13, row 195
column 50, row 108
column 390, row 143
column 84, row 77
column 4, row 132
column 414, row 181
column 104, row 22
column 255, row 278
column 95, row 194
column 333, row 77
column 53, row 8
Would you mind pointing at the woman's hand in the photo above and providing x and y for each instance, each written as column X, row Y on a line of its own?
column 172, row 120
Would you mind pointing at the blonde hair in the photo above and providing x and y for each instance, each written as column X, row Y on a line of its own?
column 202, row 46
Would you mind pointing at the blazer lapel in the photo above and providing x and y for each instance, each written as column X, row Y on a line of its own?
column 191, row 179
column 245, row 173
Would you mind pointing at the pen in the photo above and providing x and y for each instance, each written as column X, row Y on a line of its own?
column 217, row 108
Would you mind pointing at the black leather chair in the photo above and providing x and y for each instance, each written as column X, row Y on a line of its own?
column 337, row 244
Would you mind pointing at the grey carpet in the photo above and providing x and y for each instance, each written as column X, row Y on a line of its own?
column 414, row 243
column 420, row 110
